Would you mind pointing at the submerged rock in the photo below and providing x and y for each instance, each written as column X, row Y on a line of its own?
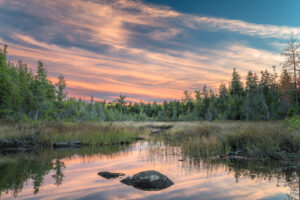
column 110, row 175
column 74, row 144
column 148, row 180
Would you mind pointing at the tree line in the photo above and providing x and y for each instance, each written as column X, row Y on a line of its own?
column 25, row 95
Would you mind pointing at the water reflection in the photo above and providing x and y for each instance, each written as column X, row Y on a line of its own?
column 73, row 174
column 17, row 169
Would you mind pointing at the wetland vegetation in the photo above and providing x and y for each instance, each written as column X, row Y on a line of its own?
column 250, row 129
column 259, row 140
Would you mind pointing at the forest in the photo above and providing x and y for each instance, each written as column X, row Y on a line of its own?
column 26, row 95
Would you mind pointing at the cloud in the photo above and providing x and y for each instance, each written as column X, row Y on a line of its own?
column 128, row 47
column 242, row 27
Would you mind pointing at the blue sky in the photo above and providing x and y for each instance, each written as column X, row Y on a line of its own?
column 147, row 50
column 276, row 12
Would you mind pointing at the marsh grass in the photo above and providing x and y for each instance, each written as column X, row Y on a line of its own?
column 252, row 139
column 48, row 133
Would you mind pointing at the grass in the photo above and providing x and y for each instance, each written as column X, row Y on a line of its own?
column 273, row 139
column 252, row 139
column 88, row 133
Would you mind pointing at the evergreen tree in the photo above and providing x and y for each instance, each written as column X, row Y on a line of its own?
column 24, row 95
column 236, row 92
column 236, row 86
column 60, row 89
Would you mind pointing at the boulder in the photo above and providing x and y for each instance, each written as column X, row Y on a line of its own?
column 110, row 175
column 148, row 180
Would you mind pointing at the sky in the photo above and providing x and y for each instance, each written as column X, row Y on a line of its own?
column 147, row 50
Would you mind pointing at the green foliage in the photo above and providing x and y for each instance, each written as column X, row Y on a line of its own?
column 28, row 96
column 293, row 122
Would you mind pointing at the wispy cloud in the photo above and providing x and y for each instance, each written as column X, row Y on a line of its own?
column 242, row 27
column 128, row 47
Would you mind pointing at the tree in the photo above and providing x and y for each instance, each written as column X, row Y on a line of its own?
column 286, row 84
column 41, row 72
column 236, row 87
column 286, row 91
column 292, row 54
column 187, row 100
column 60, row 89
column 3, row 53
column 121, row 103
column 251, row 95
column 222, row 101
column 235, row 101
column 43, row 94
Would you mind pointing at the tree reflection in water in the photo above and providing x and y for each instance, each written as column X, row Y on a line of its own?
column 59, row 175
column 16, row 170
column 284, row 173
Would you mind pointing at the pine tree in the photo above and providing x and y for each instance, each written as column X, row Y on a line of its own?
column 236, row 87
column 60, row 89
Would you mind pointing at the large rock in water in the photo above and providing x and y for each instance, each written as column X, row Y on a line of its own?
column 110, row 175
column 148, row 180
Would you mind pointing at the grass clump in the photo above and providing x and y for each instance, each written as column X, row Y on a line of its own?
column 197, row 140
column 251, row 139
column 265, row 142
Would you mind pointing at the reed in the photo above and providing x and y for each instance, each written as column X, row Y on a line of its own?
column 252, row 139
column 47, row 133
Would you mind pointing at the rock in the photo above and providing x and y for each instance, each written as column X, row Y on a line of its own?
column 252, row 176
column 159, row 129
column 156, row 130
column 61, row 144
column 140, row 138
column 110, row 175
column 74, row 144
column 148, row 180
column 8, row 143
column 16, row 145
column 234, row 153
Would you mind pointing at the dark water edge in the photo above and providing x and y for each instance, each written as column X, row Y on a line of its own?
column 72, row 174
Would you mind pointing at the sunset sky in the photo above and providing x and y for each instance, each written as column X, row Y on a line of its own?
column 147, row 50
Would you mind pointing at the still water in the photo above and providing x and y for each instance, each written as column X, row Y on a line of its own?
column 73, row 174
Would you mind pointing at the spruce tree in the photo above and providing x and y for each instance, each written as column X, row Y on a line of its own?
column 60, row 89
column 236, row 86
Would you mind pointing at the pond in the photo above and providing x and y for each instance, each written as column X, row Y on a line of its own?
column 73, row 174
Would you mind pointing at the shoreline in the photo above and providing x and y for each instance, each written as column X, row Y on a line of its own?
column 261, row 140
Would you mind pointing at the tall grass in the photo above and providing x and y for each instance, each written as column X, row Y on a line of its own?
column 48, row 133
column 252, row 139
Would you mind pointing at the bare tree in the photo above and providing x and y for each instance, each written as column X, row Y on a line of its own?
column 292, row 54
